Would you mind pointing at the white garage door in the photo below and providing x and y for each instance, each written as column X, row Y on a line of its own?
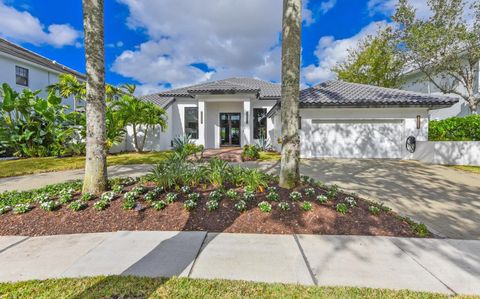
column 353, row 138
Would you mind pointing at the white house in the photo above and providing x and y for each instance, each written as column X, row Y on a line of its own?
column 416, row 81
column 21, row 68
column 337, row 119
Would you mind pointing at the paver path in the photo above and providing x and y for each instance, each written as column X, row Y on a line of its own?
column 35, row 181
column 447, row 200
column 433, row 265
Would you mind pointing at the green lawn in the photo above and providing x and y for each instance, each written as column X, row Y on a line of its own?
column 37, row 165
column 475, row 169
column 131, row 287
column 269, row 157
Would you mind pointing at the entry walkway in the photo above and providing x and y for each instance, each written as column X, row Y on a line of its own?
column 432, row 265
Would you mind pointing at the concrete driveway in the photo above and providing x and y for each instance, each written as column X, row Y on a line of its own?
column 445, row 199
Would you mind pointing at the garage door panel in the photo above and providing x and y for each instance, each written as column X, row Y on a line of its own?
column 353, row 139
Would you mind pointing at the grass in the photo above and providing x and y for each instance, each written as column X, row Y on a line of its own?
column 269, row 157
column 474, row 169
column 37, row 165
column 134, row 287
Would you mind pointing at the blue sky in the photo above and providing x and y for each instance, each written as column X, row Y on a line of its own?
column 160, row 44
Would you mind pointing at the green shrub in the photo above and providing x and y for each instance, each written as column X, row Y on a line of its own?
column 350, row 201
column 265, row 207
column 107, row 196
column 420, row 229
column 241, row 206
column 310, row 192
column 332, row 192
column 5, row 209
column 374, row 210
column 129, row 203
column 217, row 171
column 21, row 208
column 190, row 205
column 232, row 194
column 307, row 206
column 129, row 196
column 49, row 206
column 342, row 208
column 65, row 198
column 149, row 197
column 100, row 205
column 248, row 195
column 455, row 129
column 118, row 189
column 295, row 195
column 77, row 205
column 159, row 205
column 215, row 195
column 322, row 198
column 171, row 198
column 87, row 197
column 194, row 197
column 273, row 196
column 41, row 198
column 139, row 190
column 185, row 189
column 250, row 153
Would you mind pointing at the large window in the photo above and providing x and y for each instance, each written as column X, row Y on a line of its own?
column 21, row 75
column 191, row 122
column 259, row 123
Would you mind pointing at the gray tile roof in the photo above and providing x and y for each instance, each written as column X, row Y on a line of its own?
column 22, row 53
column 161, row 101
column 266, row 90
column 339, row 93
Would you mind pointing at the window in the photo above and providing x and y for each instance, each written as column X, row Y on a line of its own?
column 21, row 75
column 259, row 123
column 191, row 122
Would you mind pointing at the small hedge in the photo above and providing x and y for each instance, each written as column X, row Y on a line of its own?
column 455, row 129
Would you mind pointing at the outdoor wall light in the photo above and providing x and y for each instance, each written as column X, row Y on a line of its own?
column 201, row 117
column 418, row 122
column 246, row 117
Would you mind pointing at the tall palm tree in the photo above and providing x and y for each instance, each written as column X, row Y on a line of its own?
column 95, row 180
column 291, row 47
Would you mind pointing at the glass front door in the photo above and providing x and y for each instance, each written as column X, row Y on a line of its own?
column 230, row 129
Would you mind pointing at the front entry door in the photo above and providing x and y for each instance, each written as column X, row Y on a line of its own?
column 230, row 129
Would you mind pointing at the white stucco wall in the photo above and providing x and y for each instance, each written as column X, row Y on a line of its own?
column 38, row 77
column 360, row 132
column 448, row 152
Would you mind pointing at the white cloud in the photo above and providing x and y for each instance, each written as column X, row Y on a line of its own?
column 326, row 6
column 231, row 37
column 330, row 51
column 21, row 26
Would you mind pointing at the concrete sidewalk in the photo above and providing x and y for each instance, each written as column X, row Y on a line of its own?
column 39, row 180
column 432, row 265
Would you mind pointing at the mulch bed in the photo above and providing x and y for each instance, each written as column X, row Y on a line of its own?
column 322, row 219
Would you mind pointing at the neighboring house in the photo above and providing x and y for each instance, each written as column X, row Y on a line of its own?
column 338, row 119
column 415, row 81
column 21, row 68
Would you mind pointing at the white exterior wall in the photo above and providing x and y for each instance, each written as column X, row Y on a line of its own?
column 416, row 82
column 448, row 152
column 364, row 139
column 39, row 77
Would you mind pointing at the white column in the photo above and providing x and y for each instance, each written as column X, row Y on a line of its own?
column 201, row 122
column 246, row 122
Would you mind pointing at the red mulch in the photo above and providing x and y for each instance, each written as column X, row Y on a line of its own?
column 322, row 219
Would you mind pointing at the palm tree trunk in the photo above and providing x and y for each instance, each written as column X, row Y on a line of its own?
column 135, row 138
column 291, row 45
column 96, row 156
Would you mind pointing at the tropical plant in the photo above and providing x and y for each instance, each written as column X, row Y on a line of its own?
column 291, row 52
column 250, row 152
column 255, row 179
column 95, row 180
column 216, row 171
column 171, row 172
column 263, row 142
column 185, row 146
column 68, row 86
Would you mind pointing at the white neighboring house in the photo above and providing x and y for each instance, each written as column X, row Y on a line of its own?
column 338, row 119
column 21, row 68
column 415, row 81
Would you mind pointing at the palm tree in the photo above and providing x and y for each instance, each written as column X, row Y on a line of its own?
column 67, row 86
column 95, row 180
column 291, row 47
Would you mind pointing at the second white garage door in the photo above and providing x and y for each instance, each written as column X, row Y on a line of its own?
column 352, row 138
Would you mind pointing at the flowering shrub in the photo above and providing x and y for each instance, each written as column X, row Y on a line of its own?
column 185, row 189
column 273, row 196
column 21, row 208
column 295, row 195
column 87, row 197
column 107, row 196
column 232, row 194
column 171, row 197
column 159, row 205
column 158, row 190
column 241, row 206
column 322, row 198
column 194, row 197
column 215, row 195
column 129, row 196
column 189, row 205
column 342, row 208
column 44, row 197
column 118, row 189
column 310, row 192
column 284, row 206
column 150, row 196
column 271, row 189
column 100, row 205
column 307, row 206
column 49, row 206
column 332, row 192
column 265, row 207
column 137, row 191
column 350, row 201
column 77, row 205
column 5, row 209
column 129, row 203
column 212, row 205
column 65, row 198
column 374, row 210
column 249, row 195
